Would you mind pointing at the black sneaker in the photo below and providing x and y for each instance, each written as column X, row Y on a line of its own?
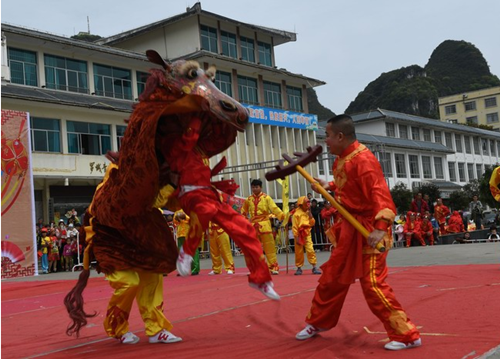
column 299, row 271
column 316, row 271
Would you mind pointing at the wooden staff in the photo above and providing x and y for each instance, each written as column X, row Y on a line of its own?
column 296, row 165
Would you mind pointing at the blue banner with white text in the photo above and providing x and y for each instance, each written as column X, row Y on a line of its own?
column 276, row 117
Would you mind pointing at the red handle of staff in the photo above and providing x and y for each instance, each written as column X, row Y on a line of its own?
column 353, row 221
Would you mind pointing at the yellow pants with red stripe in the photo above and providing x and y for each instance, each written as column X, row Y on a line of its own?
column 299, row 253
column 329, row 298
column 220, row 247
column 269, row 247
column 147, row 289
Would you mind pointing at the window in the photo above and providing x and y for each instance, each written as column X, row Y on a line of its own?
column 45, row 135
column 385, row 162
column 413, row 160
column 447, row 138
column 458, row 142
column 321, row 164
column 498, row 148
column 208, row 38
column 294, row 95
column 23, row 67
column 400, row 165
column 403, row 131
column 389, row 130
column 453, row 121
column 272, row 94
column 492, row 117
column 438, row 138
column 438, row 167
column 450, row 109
column 120, row 132
column 264, row 53
column 142, row 78
column 453, row 173
column 112, row 82
column 228, row 43
column 415, row 134
column 224, row 83
column 484, row 145
column 470, row 106
column 475, row 142
column 471, row 120
column 426, row 166
column 461, row 171
column 88, row 138
column 468, row 148
column 247, row 90
column 247, row 49
column 66, row 74
column 470, row 171
column 479, row 171
column 492, row 148
column 427, row 135
column 490, row 102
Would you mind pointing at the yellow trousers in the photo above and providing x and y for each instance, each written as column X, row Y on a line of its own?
column 220, row 247
column 147, row 289
column 269, row 247
column 299, row 253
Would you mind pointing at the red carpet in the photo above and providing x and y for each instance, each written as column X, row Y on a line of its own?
column 455, row 307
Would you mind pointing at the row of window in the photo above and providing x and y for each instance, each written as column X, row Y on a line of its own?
column 229, row 46
column 248, row 91
column 72, row 75
column 401, row 161
column 460, row 143
column 470, row 105
column 83, row 137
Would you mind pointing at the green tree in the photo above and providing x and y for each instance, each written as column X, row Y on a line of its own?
column 459, row 200
column 429, row 188
column 402, row 197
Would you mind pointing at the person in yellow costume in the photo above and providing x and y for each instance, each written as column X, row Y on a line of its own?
column 259, row 206
column 181, row 222
column 220, row 247
column 494, row 182
column 302, row 223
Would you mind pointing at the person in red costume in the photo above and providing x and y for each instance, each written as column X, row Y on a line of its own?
column 188, row 158
column 328, row 214
column 412, row 229
column 419, row 205
column 455, row 223
column 440, row 213
column 426, row 230
column 361, row 188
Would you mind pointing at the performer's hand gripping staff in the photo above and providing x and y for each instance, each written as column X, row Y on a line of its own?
column 296, row 165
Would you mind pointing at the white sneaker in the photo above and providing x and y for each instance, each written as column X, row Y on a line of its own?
column 129, row 338
column 266, row 289
column 183, row 263
column 164, row 337
column 230, row 272
column 394, row 345
column 308, row 332
column 213, row 273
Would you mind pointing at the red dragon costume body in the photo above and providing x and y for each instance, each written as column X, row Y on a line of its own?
column 181, row 120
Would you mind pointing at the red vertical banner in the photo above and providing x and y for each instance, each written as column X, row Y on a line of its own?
column 18, row 232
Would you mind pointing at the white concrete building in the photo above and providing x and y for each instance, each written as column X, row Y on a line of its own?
column 78, row 95
column 414, row 150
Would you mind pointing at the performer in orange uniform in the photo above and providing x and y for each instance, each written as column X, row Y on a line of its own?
column 361, row 188
column 455, row 223
column 260, row 206
column 303, row 221
column 440, row 213
column 220, row 247
column 328, row 216
column 412, row 229
column 426, row 230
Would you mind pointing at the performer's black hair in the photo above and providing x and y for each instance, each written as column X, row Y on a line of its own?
column 256, row 182
column 343, row 123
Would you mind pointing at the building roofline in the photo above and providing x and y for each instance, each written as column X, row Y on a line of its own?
column 284, row 36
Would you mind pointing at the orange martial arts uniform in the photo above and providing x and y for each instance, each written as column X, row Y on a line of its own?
column 440, row 213
column 426, row 230
column 260, row 208
column 412, row 229
column 455, row 223
column 220, row 247
column 361, row 188
column 301, row 226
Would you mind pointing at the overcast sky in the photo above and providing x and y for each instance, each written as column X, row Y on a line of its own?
column 346, row 43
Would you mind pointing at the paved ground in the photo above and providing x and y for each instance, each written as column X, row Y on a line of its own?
column 453, row 254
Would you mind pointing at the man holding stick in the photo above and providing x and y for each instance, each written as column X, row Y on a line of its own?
column 361, row 188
